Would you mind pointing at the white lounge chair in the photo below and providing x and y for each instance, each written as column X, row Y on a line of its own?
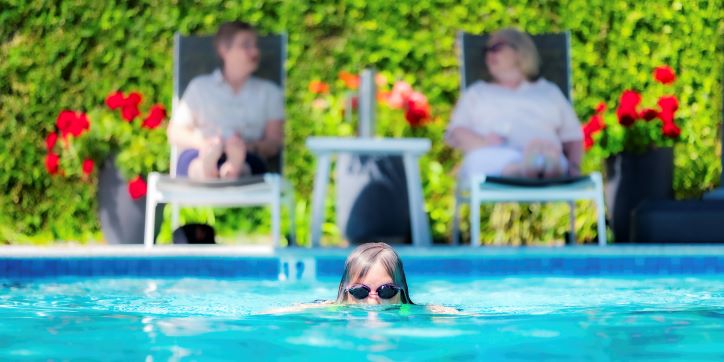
column 554, row 50
column 195, row 55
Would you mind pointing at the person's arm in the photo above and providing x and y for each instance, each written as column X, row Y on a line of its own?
column 184, row 136
column 271, row 142
column 574, row 153
column 467, row 140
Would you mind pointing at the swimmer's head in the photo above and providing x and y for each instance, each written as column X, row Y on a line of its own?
column 373, row 274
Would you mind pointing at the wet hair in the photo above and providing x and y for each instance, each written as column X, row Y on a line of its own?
column 363, row 258
column 528, row 57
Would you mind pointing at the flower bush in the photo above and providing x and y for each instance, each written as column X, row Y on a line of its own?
column 118, row 129
column 399, row 101
column 639, row 123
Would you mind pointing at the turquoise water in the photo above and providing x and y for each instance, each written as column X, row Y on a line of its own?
column 522, row 318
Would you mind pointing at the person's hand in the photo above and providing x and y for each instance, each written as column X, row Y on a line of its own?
column 212, row 142
column 493, row 139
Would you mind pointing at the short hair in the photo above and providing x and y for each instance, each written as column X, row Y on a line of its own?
column 227, row 31
column 527, row 52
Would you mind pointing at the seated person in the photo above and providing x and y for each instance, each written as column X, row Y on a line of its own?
column 515, row 124
column 229, row 122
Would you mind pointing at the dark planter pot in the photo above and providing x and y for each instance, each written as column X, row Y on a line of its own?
column 122, row 218
column 633, row 178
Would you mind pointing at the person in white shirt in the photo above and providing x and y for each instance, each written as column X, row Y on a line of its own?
column 516, row 124
column 229, row 122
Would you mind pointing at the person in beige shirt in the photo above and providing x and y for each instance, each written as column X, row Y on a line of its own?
column 229, row 122
column 517, row 124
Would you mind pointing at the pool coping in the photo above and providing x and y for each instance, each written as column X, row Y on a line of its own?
column 111, row 251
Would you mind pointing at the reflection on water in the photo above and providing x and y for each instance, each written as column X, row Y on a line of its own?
column 508, row 318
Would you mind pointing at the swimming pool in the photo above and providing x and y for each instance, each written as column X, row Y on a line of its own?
column 518, row 304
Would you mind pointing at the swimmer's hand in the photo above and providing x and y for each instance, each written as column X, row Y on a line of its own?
column 439, row 309
column 298, row 307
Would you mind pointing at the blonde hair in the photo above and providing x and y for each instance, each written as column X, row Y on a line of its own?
column 528, row 57
column 363, row 258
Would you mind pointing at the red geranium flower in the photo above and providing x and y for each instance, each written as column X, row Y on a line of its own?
column 417, row 113
column 669, row 103
column 50, row 141
column 134, row 98
column 600, row 108
column 626, row 112
column 350, row 80
column 318, row 87
column 129, row 112
column 51, row 163
column 664, row 74
column 156, row 115
column 649, row 114
column 115, row 100
column 88, row 165
column 137, row 188
column 670, row 130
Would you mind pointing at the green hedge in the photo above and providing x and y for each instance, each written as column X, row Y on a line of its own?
column 70, row 54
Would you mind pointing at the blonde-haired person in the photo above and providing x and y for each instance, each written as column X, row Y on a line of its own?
column 515, row 124
column 373, row 275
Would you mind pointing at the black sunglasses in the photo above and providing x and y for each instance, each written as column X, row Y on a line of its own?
column 384, row 291
column 496, row 47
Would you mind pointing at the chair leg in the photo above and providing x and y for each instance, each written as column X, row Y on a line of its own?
column 175, row 210
column 600, row 208
column 572, row 219
column 474, row 214
column 456, row 220
column 289, row 200
column 150, row 219
column 276, row 213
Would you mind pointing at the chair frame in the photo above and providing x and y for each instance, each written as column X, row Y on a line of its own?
column 481, row 190
column 268, row 189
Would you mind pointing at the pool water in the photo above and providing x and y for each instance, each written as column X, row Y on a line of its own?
column 520, row 318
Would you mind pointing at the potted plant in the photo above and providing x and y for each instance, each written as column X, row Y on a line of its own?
column 128, row 141
column 636, row 141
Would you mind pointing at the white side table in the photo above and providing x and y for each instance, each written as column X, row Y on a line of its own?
column 409, row 148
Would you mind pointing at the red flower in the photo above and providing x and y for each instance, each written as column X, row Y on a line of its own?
column 134, row 98
column 50, row 141
column 670, row 130
column 417, row 113
column 600, row 108
column 350, row 80
column 626, row 111
column 318, row 87
column 129, row 112
column 649, row 114
column 88, row 165
column 594, row 124
column 79, row 125
column 156, row 115
column 137, row 188
column 664, row 74
column 64, row 121
column 587, row 141
column 51, row 163
column 668, row 103
column 74, row 123
column 115, row 100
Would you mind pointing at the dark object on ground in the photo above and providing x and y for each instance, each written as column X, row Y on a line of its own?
column 668, row 221
column 194, row 234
